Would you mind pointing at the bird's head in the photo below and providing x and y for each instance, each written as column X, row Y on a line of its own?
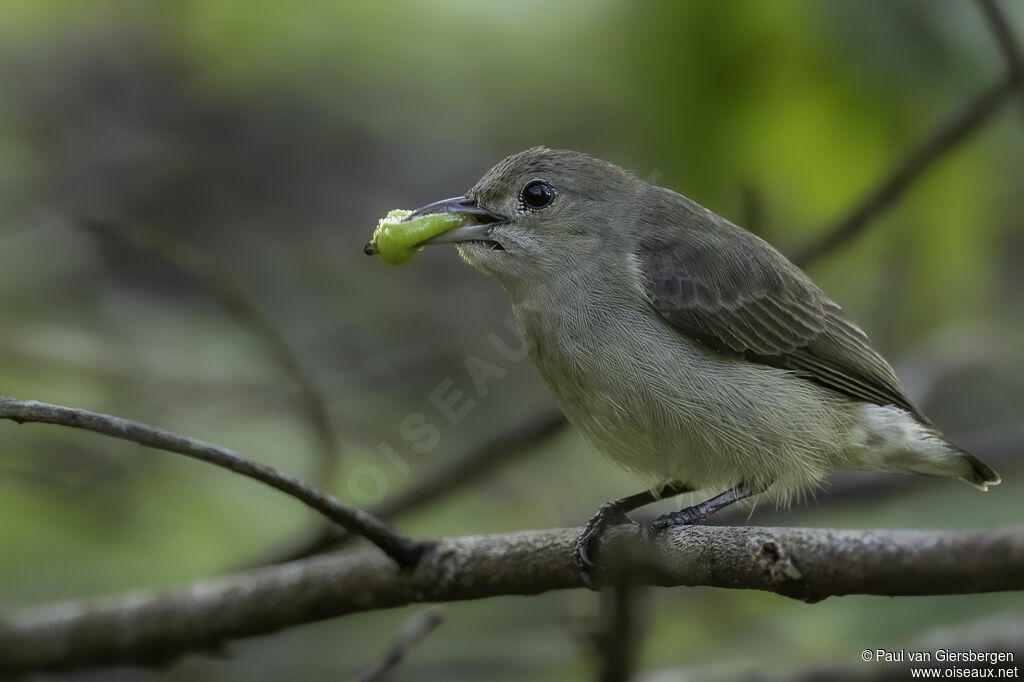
column 540, row 212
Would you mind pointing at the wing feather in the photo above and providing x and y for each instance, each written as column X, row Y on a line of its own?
column 736, row 294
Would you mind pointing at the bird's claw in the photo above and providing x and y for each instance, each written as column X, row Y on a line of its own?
column 584, row 556
column 691, row 516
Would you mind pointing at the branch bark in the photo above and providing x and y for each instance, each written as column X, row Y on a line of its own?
column 807, row 564
column 402, row 549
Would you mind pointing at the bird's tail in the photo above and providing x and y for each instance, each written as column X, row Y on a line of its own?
column 979, row 474
column 909, row 446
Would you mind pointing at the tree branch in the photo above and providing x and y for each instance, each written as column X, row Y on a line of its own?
column 419, row 625
column 999, row 24
column 402, row 549
column 497, row 449
column 807, row 564
column 942, row 140
column 957, row 128
column 620, row 629
column 237, row 300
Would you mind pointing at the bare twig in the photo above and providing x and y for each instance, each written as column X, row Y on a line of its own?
column 237, row 300
column 943, row 139
column 999, row 24
column 807, row 564
column 495, row 450
column 616, row 640
column 402, row 549
column 419, row 625
column 957, row 128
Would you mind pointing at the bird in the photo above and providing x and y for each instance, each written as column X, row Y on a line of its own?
column 683, row 347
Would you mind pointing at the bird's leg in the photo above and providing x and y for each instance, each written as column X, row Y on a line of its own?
column 699, row 513
column 613, row 514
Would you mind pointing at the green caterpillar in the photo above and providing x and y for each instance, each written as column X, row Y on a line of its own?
column 397, row 241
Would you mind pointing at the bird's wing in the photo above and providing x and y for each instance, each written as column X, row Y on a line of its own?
column 737, row 295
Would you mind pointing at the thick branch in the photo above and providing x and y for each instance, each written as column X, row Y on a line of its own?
column 402, row 549
column 805, row 564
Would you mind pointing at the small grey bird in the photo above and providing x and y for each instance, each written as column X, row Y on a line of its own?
column 683, row 347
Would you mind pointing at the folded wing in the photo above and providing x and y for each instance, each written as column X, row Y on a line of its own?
column 736, row 294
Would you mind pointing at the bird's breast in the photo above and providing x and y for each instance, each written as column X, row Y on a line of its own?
column 607, row 365
column 664, row 406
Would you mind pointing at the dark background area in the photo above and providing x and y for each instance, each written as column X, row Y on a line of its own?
column 266, row 138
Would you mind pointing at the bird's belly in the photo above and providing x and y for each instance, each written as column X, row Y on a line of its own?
column 660, row 438
column 667, row 409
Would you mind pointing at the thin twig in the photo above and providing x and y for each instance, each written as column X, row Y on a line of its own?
column 237, row 300
column 803, row 563
column 999, row 24
column 944, row 138
column 418, row 626
column 521, row 439
column 617, row 638
column 402, row 549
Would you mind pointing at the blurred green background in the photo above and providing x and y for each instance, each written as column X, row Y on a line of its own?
column 272, row 135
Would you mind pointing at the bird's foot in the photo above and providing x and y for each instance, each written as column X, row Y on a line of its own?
column 589, row 541
column 691, row 516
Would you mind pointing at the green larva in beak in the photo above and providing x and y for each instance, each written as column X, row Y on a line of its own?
column 397, row 240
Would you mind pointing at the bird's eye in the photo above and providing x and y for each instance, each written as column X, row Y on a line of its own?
column 537, row 195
